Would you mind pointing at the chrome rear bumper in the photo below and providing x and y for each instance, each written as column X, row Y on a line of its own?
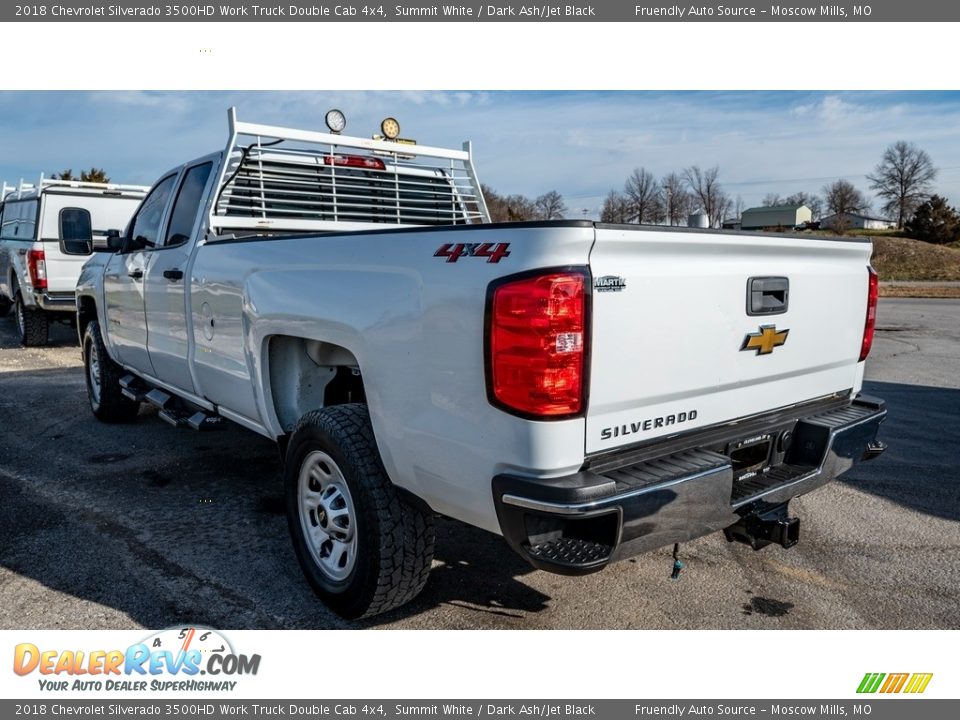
column 580, row 523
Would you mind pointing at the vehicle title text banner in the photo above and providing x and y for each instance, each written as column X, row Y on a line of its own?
column 497, row 11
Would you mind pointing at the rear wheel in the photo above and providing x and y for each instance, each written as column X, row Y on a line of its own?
column 103, row 375
column 32, row 323
column 363, row 548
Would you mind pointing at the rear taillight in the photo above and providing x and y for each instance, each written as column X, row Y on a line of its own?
column 873, row 291
column 37, row 268
column 354, row 161
column 537, row 344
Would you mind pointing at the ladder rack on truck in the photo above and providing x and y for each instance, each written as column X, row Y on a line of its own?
column 18, row 191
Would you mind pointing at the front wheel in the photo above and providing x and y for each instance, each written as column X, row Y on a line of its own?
column 362, row 547
column 33, row 325
column 107, row 400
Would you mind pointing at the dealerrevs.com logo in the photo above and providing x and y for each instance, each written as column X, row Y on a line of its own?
column 172, row 659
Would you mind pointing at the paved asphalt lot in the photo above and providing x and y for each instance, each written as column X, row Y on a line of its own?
column 147, row 526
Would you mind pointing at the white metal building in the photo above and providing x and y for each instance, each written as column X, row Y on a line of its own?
column 787, row 216
column 860, row 222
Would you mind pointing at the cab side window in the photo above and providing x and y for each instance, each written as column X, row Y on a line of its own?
column 187, row 204
column 146, row 227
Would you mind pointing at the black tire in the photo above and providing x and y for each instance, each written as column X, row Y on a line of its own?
column 5, row 306
column 106, row 399
column 33, row 325
column 394, row 540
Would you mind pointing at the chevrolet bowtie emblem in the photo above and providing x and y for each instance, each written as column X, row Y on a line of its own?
column 764, row 341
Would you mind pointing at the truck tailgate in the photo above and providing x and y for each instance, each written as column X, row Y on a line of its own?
column 670, row 322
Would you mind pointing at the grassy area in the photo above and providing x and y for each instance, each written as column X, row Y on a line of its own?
column 920, row 291
column 899, row 258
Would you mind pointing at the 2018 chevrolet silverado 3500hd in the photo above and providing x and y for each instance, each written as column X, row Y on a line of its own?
column 588, row 391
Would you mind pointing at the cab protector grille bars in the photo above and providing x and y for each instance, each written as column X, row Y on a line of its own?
column 284, row 179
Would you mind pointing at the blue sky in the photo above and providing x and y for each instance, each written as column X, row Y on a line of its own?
column 580, row 143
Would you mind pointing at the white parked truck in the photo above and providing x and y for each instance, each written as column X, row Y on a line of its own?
column 45, row 231
column 588, row 391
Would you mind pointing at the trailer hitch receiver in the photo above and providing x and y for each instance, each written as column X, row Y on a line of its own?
column 759, row 529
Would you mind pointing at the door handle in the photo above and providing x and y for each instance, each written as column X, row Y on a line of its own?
column 768, row 295
column 136, row 273
column 174, row 274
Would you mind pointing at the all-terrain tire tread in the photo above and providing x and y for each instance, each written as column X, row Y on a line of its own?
column 114, row 407
column 36, row 326
column 406, row 533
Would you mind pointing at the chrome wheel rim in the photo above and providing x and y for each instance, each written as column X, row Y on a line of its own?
column 327, row 515
column 93, row 372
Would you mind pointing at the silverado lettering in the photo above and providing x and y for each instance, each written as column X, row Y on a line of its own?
column 648, row 424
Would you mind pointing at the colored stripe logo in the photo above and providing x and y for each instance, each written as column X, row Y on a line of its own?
column 894, row 683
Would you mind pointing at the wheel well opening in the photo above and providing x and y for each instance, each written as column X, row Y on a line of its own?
column 309, row 374
column 86, row 313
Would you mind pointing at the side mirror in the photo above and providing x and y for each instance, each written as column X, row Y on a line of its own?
column 114, row 241
column 76, row 232
column 78, row 247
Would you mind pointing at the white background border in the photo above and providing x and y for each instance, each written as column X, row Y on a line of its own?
column 635, row 56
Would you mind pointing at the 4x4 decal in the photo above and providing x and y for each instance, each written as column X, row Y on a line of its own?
column 493, row 252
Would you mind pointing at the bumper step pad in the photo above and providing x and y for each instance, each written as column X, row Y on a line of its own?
column 571, row 551
column 744, row 489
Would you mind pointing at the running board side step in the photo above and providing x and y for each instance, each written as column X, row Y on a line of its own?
column 198, row 420
column 133, row 388
column 172, row 409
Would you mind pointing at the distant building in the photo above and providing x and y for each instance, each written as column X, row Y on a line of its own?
column 859, row 222
column 787, row 216
column 731, row 224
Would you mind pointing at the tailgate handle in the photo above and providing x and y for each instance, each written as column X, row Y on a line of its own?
column 767, row 295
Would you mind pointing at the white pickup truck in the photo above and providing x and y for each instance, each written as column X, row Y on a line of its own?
column 588, row 391
column 45, row 231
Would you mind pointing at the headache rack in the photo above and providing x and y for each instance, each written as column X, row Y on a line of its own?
column 277, row 179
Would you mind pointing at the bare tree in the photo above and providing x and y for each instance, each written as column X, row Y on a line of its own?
column 677, row 202
column 903, row 179
column 844, row 199
column 771, row 199
column 496, row 204
column 705, row 188
column 724, row 206
column 508, row 208
column 738, row 208
column 642, row 192
column 616, row 208
column 520, row 207
column 550, row 206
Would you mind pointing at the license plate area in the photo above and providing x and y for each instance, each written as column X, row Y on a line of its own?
column 750, row 455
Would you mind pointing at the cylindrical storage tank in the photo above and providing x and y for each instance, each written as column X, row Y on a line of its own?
column 698, row 220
